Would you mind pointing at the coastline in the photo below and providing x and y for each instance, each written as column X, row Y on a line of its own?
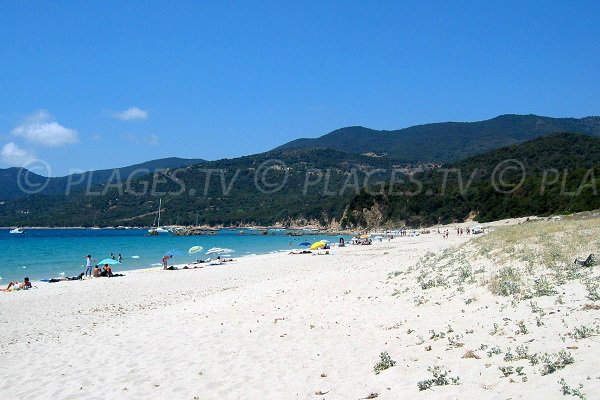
column 287, row 326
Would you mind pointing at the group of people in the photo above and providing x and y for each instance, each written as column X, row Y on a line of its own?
column 95, row 271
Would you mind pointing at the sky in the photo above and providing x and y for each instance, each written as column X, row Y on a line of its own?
column 98, row 84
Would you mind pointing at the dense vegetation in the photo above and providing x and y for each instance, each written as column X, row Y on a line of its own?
column 552, row 174
column 322, row 184
column 244, row 190
column 448, row 141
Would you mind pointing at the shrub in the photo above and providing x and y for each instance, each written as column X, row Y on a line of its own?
column 385, row 362
column 440, row 378
column 506, row 282
column 543, row 287
column 552, row 363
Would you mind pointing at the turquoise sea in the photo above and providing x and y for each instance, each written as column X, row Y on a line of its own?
column 50, row 253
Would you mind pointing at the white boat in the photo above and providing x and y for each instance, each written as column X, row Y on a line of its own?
column 158, row 229
column 17, row 231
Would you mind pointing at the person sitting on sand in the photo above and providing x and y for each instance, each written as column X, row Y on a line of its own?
column 106, row 271
column 26, row 284
column 96, row 272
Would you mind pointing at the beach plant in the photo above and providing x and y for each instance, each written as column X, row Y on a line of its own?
column 507, row 371
column 522, row 328
column 543, row 287
column 583, row 332
column 522, row 352
column 536, row 309
column 592, row 290
column 506, row 282
column 385, row 362
column 555, row 362
column 494, row 351
column 454, row 341
column 496, row 330
column 508, row 356
column 440, row 378
column 436, row 335
column 534, row 359
column 394, row 274
column 568, row 390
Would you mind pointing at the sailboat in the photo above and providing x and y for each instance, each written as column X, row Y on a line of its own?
column 158, row 229
column 94, row 226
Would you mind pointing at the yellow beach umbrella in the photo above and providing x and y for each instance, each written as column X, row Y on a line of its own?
column 318, row 245
column 364, row 236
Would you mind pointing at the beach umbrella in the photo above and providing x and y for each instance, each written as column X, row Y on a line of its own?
column 108, row 261
column 304, row 244
column 364, row 236
column 219, row 250
column 318, row 245
column 195, row 249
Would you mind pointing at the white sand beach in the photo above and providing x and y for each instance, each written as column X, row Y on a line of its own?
column 284, row 326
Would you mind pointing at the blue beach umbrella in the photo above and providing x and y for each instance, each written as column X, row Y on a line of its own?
column 108, row 261
column 304, row 244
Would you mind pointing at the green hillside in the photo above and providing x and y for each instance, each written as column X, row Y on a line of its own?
column 229, row 192
column 448, row 141
column 548, row 175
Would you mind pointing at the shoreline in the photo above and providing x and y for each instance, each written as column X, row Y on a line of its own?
column 275, row 326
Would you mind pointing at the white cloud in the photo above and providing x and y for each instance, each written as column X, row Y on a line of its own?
column 130, row 114
column 40, row 128
column 15, row 156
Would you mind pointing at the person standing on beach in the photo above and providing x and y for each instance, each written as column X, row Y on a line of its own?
column 88, row 264
column 165, row 260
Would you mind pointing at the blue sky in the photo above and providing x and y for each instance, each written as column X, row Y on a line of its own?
column 88, row 85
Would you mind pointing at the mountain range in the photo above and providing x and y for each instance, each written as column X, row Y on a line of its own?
column 323, row 178
column 18, row 182
column 446, row 141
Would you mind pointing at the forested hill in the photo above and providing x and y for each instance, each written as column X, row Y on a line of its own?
column 18, row 182
column 553, row 174
column 448, row 141
column 299, row 184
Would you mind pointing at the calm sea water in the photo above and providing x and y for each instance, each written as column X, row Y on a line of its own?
column 49, row 253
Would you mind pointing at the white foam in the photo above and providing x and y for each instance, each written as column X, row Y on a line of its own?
column 135, row 256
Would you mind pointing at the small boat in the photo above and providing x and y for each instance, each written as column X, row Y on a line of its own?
column 158, row 230
column 17, row 231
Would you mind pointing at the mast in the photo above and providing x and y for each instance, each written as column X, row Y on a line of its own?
column 159, row 205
